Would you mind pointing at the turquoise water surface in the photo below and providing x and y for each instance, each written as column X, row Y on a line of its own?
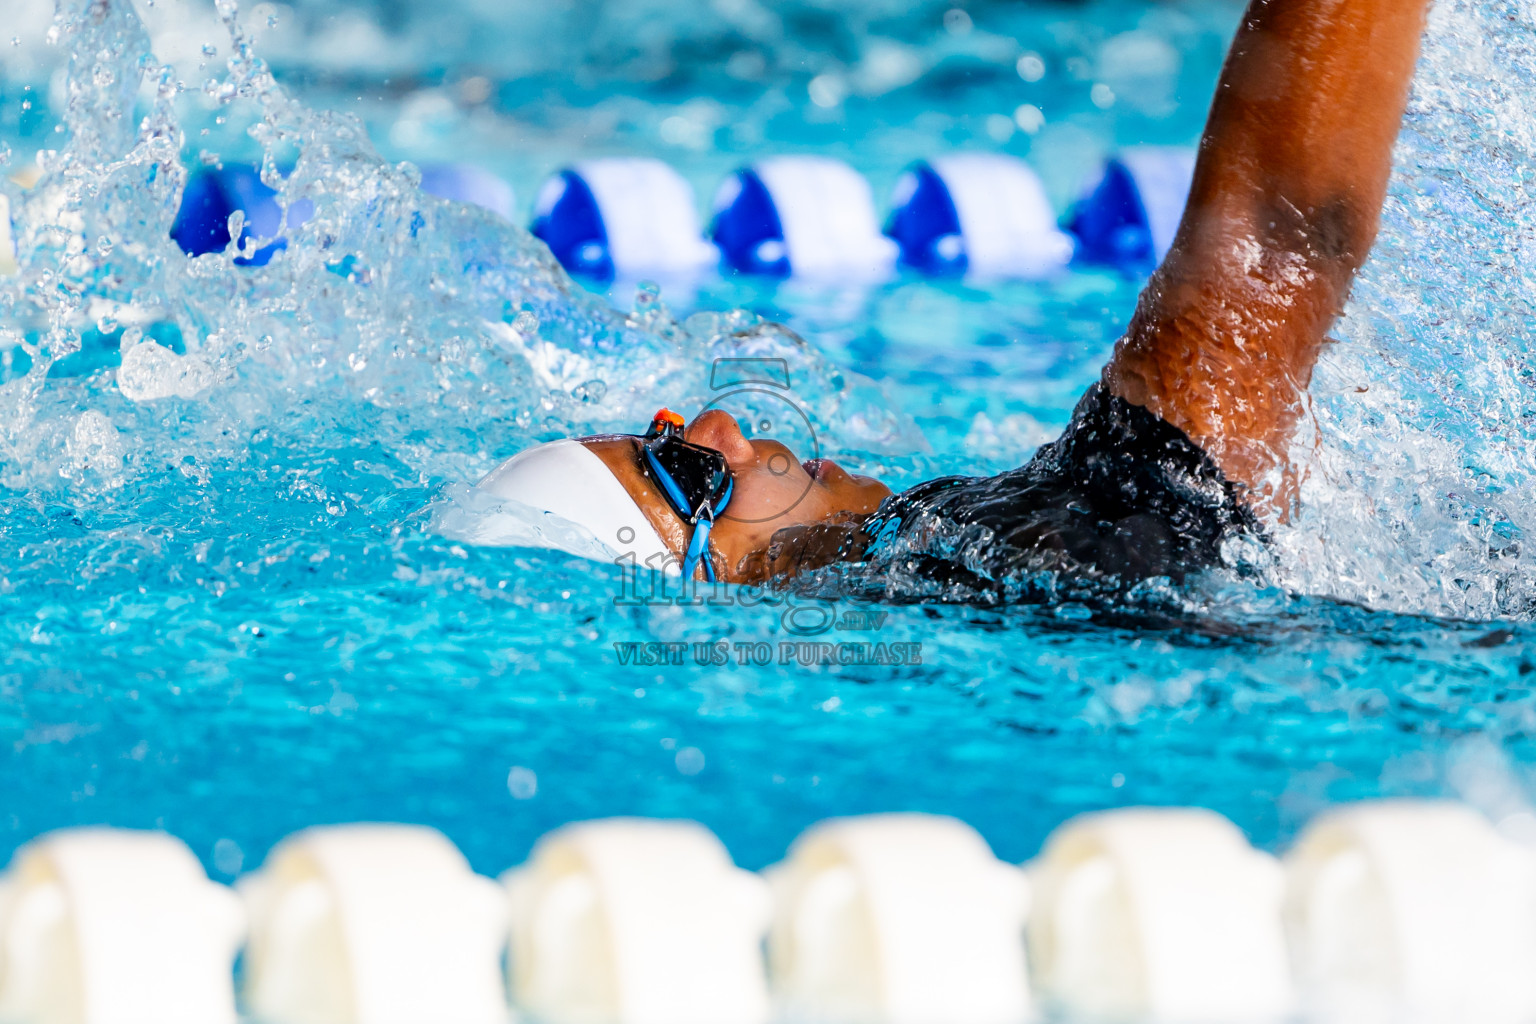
column 225, row 611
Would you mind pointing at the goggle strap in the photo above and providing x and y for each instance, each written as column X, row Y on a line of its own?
column 698, row 549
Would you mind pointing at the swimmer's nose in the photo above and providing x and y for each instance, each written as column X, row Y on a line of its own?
column 719, row 430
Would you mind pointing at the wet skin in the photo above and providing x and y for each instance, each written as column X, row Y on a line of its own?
column 784, row 516
column 1283, row 211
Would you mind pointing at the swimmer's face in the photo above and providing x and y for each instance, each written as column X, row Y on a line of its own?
column 784, row 515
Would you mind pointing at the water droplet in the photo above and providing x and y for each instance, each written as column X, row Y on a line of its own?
column 209, row 50
column 646, row 295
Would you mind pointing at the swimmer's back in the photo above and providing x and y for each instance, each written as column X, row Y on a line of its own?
column 1120, row 497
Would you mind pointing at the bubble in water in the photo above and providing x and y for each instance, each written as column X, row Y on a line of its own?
column 689, row 760
column 590, row 391
column 150, row 371
column 522, row 783
column 94, row 444
column 228, row 858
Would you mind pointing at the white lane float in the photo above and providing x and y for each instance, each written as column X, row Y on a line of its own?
column 622, row 218
column 808, row 217
column 466, row 183
column 373, row 924
column 111, row 926
column 898, row 919
column 1412, row 911
column 982, row 215
column 635, row 921
column 1162, row 914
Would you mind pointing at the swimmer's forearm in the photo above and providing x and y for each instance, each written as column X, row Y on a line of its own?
column 1284, row 208
column 1301, row 130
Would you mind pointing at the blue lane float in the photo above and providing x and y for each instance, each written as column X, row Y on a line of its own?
column 983, row 215
column 622, row 218
column 801, row 216
column 213, row 194
column 1129, row 217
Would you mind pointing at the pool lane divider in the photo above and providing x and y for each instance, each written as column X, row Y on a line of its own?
column 640, row 921
column 379, row 923
column 1159, row 913
column 977, row 215
column 622, row 218
column 808, row 217
column 982, row 216
column 110, row 926
column 1380, row 911
column 900, row 918
column 214, row 194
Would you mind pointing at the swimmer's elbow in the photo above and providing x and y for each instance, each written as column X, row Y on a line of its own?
column 1334, row 234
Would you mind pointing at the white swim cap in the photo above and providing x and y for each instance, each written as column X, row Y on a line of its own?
column 582, row 501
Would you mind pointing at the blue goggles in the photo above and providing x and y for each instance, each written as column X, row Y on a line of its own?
column 696, row 481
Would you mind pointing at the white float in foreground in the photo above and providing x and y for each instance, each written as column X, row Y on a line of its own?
column 1415, row 911
column 373, row 924
column 108, row 926
column 7, row 240
column 1166, row 914
column 631, row 921
column 901, row 919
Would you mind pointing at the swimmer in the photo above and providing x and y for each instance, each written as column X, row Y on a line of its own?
column 1167, row 457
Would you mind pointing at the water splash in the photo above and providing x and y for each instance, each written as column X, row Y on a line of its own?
column 445, row 334
column 405, row 339
column 1421, row 493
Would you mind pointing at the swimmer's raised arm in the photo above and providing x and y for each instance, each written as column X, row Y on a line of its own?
column 1284, row 208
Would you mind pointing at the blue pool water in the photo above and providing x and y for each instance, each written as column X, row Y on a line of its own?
column 225, row 612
